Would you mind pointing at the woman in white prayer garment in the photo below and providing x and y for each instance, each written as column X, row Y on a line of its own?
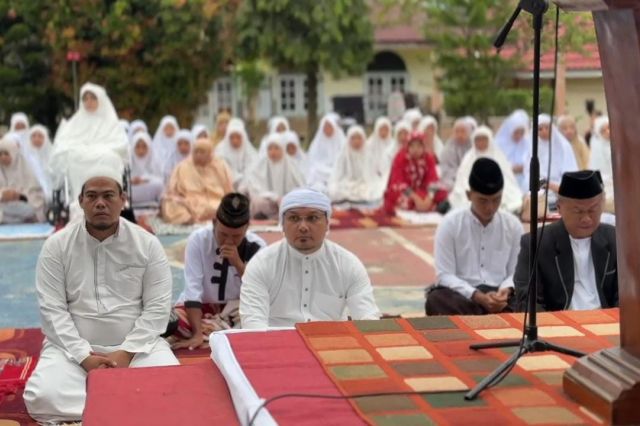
column 137, row 126
column 92, row 131
column 181, row 151
column 200, row 131
column 484, row 147
column 382, row 148
column 353, row 179
column 413, row 117
column 20, row 126
column 294, row 150
column 165, row 138
column 237, row 151
column 324, row 150
column 401, row 134
column 37, row 152
column 146, row 182
column 429, row 128
column 277, row 124
column 273, row 176
column 21, row 197
column 601, row 157
column 554, row 148
column 514, row 139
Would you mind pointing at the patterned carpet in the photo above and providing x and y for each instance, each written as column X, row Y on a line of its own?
column 19, row 351
column 431, row 355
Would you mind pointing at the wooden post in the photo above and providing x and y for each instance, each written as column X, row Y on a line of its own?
column 608, row 382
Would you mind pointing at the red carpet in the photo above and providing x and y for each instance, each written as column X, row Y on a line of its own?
column 19, row 351
column 350, row 219
column 194, row 395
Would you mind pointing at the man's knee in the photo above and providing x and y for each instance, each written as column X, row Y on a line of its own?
column 160, row 357
column 444, row 301
column 438, row 298
column 50, row 399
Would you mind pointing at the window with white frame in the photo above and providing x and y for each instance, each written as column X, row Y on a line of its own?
column 223, row 95
column 292, row 94
column 379, row 85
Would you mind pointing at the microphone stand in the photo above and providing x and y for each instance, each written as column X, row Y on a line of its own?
column 530, row 342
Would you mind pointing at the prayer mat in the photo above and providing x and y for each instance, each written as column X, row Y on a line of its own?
column 25, row 231
column 431, row 356
column 350, row 219
column 19, row 353
column 178, row 395
column 159, row 227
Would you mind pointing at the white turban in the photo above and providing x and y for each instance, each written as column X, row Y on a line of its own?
column 306, row 198
column 107, row 165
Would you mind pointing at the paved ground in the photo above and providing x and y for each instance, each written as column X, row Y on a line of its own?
column 399, row 261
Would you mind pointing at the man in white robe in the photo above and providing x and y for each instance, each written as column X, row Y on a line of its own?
column 305, row 277
column 476, row 250
column 104, row 289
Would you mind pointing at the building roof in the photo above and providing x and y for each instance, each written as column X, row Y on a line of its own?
column 589, row 60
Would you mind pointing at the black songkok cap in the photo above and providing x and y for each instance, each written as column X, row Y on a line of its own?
column 486, row 177
column 581, row 185
column 233, row 210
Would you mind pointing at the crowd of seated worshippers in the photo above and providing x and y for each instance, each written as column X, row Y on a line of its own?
column 233, row 279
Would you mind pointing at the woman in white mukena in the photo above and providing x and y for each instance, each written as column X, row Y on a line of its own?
column 93, row 130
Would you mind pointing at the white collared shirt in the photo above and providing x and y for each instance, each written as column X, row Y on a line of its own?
column 283, row 287
column 469, row 254
column 115, row 292
column 202, row 269
column 585, row 292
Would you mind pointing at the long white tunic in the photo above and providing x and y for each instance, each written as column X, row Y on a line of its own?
column 283, row 286
column 203, row 269
column 585, row 292
column 469, row 254
column 111, row 293
column 96, row 296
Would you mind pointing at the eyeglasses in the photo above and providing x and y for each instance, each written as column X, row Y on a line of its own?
column 312, row 219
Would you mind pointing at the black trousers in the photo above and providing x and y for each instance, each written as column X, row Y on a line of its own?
column 444, row 301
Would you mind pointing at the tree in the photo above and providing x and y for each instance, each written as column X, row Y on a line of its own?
column 154, row 57
column 472, row 76
column 25, row 64
column 307, row 36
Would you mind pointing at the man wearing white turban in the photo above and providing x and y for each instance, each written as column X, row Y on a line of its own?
column 104, row 289
column 304, row 277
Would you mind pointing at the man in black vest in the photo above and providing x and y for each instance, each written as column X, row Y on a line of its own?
column 577, row 255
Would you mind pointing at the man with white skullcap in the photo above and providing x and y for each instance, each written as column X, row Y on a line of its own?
column 305, row 277
column 104, row 289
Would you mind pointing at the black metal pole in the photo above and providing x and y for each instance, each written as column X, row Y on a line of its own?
column 534, row 183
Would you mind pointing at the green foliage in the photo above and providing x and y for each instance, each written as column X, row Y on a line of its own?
column 306, row 36
column 25, row 64
column 153, row 56
column 472, row 74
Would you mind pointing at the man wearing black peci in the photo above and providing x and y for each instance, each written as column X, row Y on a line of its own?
column 215, row 258
column 577, row 255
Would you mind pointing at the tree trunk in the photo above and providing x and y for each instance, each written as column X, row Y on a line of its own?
column 561, row 86
column 312, row 103
column 252, row 102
